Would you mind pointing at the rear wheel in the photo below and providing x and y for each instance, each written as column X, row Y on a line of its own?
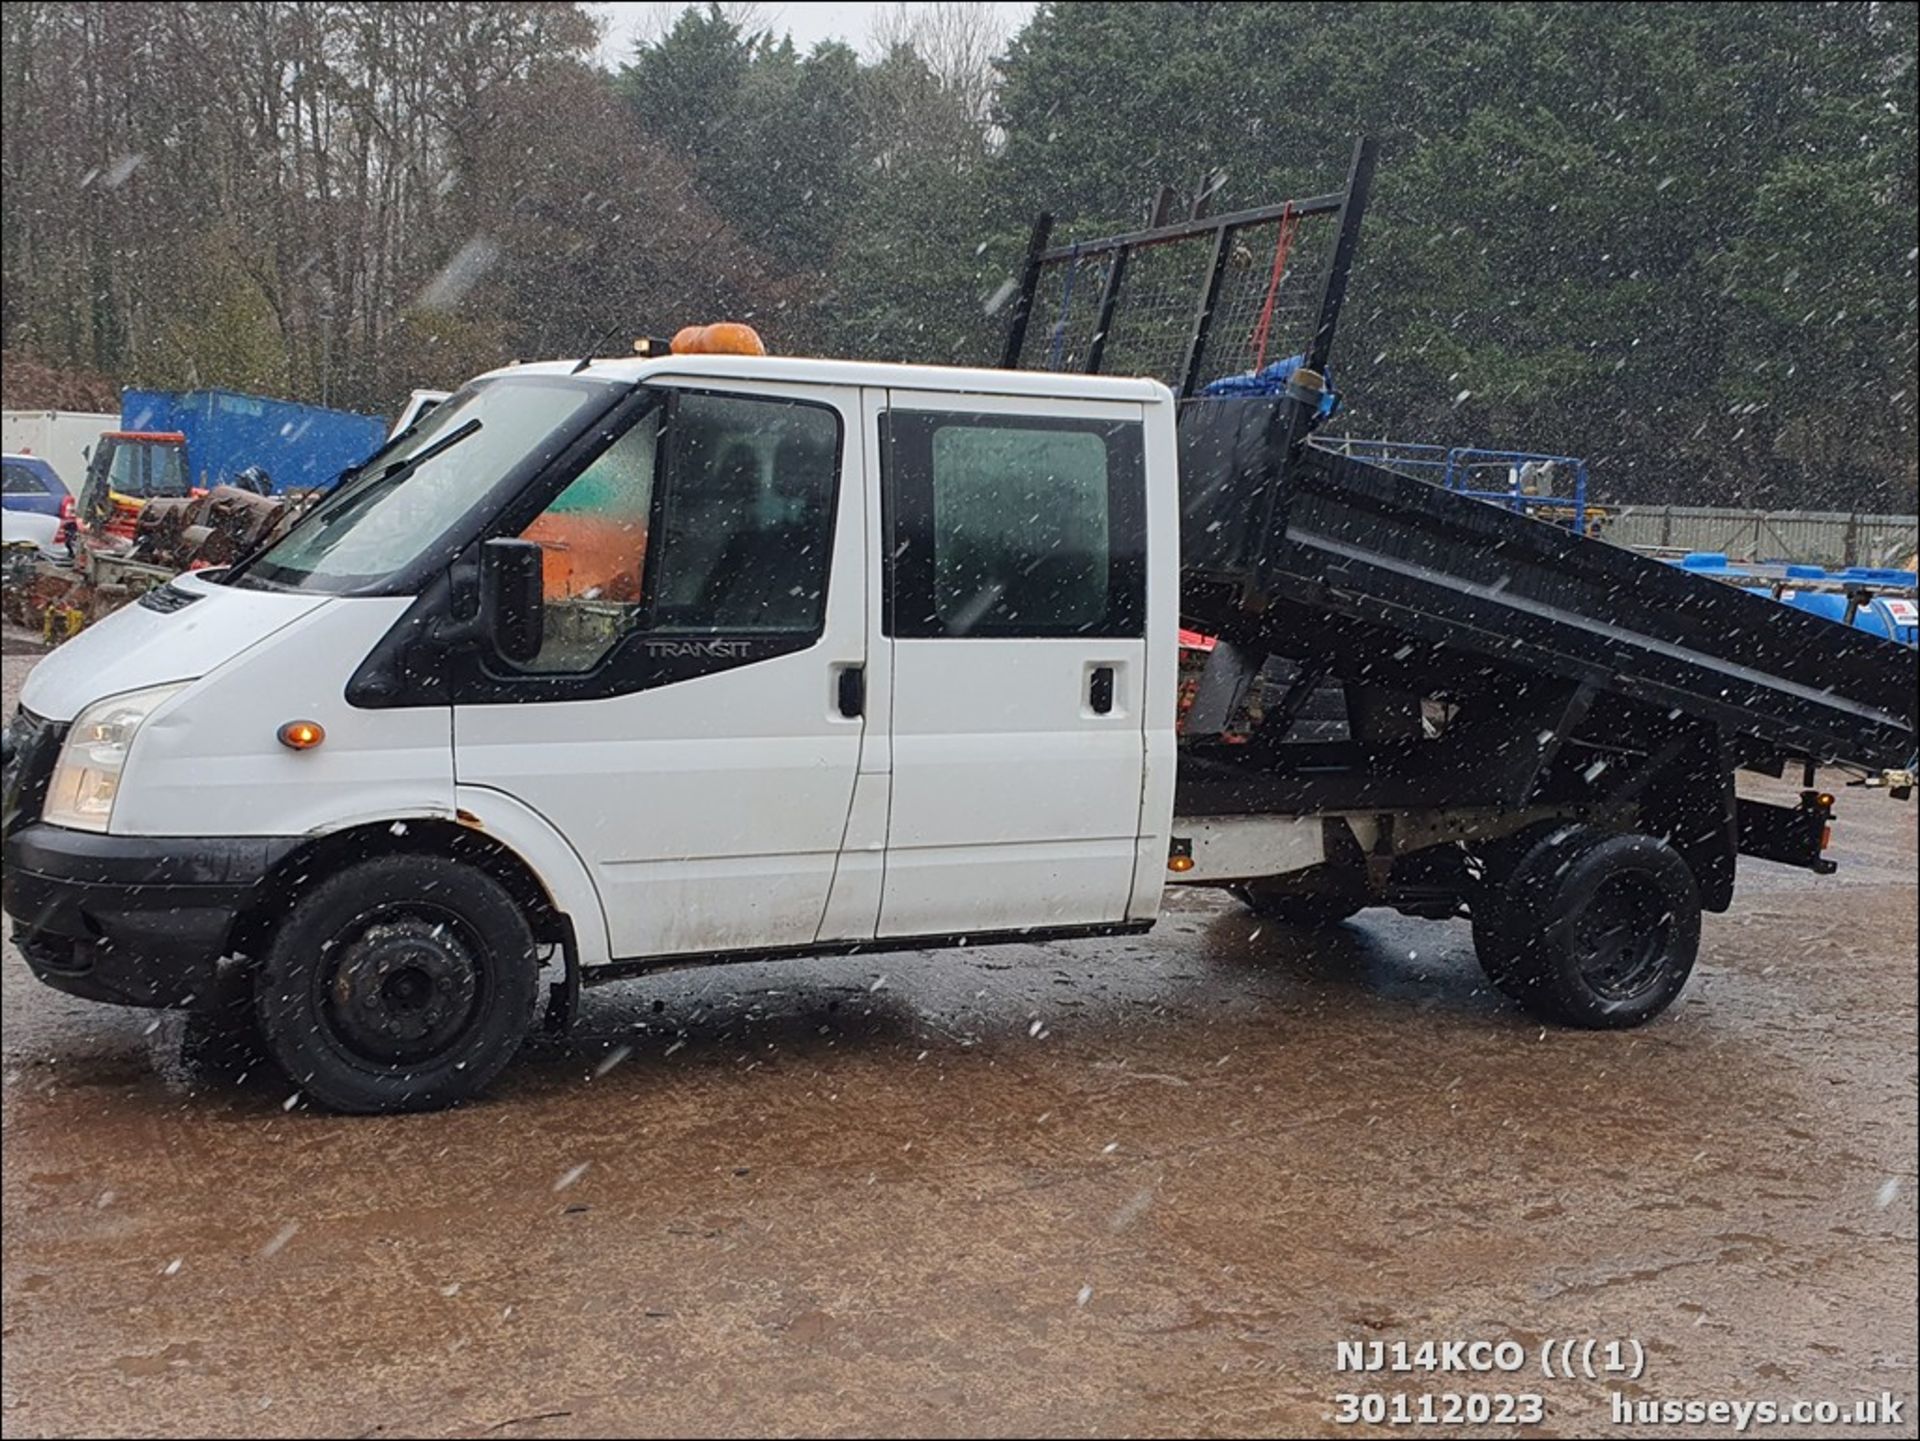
column 1592, row 929
column 403, row 983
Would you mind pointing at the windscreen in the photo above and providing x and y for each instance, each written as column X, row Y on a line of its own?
column 399, row 505
column 148, row 470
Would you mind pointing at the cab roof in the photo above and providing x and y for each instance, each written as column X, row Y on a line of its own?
column 633, row 369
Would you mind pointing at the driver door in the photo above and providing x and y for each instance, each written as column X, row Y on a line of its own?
column 685, row 725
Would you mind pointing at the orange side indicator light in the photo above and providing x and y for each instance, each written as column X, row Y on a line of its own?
column 301, row 735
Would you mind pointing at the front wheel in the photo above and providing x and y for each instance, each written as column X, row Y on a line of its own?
column 1592, row 929
column 403, row 983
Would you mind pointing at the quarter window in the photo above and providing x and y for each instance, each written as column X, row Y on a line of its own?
column 593, row 545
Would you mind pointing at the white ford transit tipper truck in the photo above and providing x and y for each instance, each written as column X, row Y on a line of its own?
column 602, row 668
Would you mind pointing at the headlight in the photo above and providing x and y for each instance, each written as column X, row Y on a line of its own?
column 87, row 777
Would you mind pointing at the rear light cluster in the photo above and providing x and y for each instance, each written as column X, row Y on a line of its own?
column 1820, row 803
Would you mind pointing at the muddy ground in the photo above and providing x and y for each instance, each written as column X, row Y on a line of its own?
column 1141, row 1186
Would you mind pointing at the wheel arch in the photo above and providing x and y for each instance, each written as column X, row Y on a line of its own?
column 554, row 911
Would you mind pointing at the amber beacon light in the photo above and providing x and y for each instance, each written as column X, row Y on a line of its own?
column 301, row 735
column 726, row 337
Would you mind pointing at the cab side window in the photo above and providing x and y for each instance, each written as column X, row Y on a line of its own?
column 712, row 515
column 747, row 518
column 1007, row 525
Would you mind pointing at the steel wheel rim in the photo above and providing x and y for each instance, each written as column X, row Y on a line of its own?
column 404, row 983
column 1621, row 937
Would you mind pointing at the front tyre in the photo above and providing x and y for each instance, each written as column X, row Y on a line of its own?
column 403, row 983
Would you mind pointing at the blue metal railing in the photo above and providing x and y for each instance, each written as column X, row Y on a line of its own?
column 1459, row 466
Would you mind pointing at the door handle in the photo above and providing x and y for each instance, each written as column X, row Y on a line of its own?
column 1100, row 690
column 851, row 691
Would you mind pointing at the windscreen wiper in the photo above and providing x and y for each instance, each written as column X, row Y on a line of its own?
column 393, row 471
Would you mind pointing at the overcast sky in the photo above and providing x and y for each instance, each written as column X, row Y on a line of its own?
column 808, row 21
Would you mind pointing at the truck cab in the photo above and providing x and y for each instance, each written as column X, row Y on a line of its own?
column 617, row 667
column 128, row 468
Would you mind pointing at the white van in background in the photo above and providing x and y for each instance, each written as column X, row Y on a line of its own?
column 63, row 438
column 418, row 404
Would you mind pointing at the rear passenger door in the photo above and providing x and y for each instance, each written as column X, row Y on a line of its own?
column 1014, row 607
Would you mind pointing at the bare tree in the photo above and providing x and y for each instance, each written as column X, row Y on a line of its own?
column 958, row 42
column 656, row 22
column 253, row 193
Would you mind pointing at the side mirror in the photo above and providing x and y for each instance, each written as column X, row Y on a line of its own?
column 512, row 597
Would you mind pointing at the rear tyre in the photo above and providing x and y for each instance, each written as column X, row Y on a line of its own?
column 1308, row 910
column 401, row 984
column 1489, row 939
column 1592, row 929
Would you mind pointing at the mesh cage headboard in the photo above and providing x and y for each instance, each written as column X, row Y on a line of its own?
column 1195, row 300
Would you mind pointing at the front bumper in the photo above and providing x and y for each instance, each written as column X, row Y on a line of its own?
column 135, row 920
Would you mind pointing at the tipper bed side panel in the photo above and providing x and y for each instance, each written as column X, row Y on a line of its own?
column 1414, row 563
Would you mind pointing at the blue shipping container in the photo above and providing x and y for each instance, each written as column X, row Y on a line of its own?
column 301, row 447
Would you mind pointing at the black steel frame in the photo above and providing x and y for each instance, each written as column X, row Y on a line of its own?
column 1349, row 204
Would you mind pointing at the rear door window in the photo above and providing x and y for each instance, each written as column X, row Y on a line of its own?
column 1010, row 525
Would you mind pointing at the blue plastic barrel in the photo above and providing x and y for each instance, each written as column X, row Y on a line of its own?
column 1888, row 617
